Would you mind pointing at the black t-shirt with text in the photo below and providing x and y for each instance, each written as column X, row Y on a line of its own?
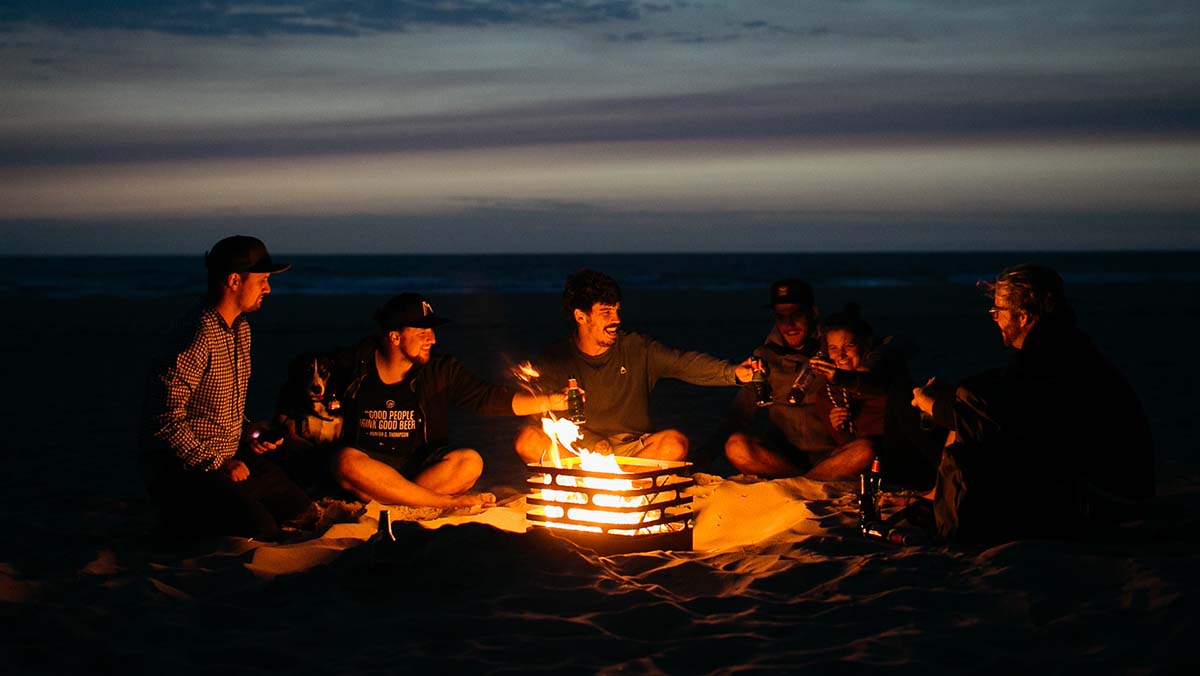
column 387, row 418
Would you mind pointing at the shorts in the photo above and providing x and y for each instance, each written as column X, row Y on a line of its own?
column 410, row 465
column 776, row 442
column 626, row 445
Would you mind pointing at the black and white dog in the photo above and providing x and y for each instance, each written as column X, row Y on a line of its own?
column 309, row 407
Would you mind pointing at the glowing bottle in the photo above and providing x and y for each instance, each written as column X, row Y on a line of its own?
column 804, row 381
column 758, row 381
column 575, row 402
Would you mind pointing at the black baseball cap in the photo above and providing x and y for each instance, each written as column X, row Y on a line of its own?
column 241, row 254
column 408, row 309
column 791, row 291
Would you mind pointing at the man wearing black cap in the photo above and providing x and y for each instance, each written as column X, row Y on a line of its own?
column 796, row 439
column 397, row 428
column 196, row 438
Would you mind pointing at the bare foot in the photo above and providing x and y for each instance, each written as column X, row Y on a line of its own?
column 473, row 499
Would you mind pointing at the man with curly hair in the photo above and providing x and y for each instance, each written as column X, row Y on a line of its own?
column 617, row 370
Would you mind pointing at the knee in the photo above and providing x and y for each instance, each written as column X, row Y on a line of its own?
column 858, row 454
column 673, row 445
column 531, row 443
column 737, row 446
column 467, row 464
column 343, row 463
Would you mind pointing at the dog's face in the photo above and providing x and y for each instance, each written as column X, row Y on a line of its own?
column 311, row 375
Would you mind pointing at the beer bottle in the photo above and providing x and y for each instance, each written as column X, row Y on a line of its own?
column 384, row 532
column 870, row 487
column 575, row 403
column 804, row 381
column 758, row 381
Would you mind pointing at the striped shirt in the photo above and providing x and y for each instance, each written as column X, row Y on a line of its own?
column 198, row 398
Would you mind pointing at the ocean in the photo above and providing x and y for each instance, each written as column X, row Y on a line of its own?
column 1140, row 307
column 160, row 276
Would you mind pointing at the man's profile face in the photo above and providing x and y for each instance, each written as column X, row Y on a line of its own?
column 253, row 287
column 1012, row 321
column 600, row 324
column 416, row 344
column 794, row 322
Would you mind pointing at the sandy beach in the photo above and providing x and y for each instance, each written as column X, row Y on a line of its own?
column 779, row 578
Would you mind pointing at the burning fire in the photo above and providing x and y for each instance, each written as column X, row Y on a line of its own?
column 565, row 433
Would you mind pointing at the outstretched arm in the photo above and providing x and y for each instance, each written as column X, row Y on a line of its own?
column 524, row 403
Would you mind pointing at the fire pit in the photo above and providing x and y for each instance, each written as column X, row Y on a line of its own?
column 613, row 504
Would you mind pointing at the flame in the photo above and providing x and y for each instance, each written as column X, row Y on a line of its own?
column 525, row 372
column 564, row 433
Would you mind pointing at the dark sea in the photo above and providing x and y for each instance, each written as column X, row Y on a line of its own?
column 156, row 276
column 1141, row 308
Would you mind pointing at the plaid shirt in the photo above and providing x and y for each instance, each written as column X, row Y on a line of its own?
column 199, row 391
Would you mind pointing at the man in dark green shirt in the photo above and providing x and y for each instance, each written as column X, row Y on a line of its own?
column 617, row 370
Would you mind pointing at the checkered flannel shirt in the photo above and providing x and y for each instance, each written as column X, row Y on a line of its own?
column 201, row 391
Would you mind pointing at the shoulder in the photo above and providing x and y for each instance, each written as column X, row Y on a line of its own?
column 194, row 327
column 632, row 340
column 442, row 368
column 561, row 351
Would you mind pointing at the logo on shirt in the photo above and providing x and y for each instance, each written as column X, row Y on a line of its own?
column 390, row 404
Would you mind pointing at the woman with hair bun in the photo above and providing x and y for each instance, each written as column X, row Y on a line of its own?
column 867, row 391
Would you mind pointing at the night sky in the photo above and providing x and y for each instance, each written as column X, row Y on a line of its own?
column 365, row 126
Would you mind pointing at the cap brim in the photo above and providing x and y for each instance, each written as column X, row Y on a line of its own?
column 271, row 268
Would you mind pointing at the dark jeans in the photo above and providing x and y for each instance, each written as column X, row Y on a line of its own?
column 210, row 503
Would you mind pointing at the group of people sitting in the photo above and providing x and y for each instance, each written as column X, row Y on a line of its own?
column 1057, row 422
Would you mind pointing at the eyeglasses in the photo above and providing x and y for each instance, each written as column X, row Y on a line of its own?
column 993, row 310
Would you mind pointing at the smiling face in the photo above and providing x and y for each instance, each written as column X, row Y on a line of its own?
column 843, row 349
column 596, row 331
column 415, row 344
column 794, row 322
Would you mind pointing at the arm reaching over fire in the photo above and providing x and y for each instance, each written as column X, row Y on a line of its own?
column 619, row 370
column 396, row 431
column 524, row 403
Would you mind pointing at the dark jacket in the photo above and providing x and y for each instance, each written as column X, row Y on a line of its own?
column 443, row 382
column 801, row 425
column 1055, row 441
column 880, row 404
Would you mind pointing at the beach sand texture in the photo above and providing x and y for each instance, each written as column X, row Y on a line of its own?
column 780, row 579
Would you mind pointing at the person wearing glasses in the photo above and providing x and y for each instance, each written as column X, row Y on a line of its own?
column 1054, row 442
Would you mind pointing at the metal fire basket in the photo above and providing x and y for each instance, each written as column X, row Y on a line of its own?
column 640, row 508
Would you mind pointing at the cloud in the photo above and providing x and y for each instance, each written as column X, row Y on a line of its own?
column 900, row 107
column 320, row 17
